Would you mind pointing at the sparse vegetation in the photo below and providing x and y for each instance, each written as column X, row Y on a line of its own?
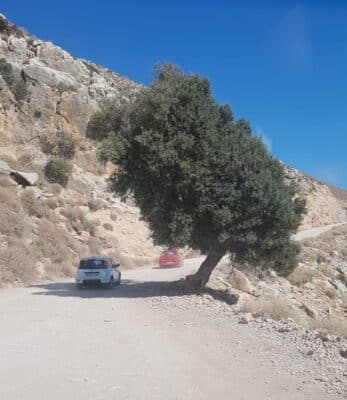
column 37, row 114
column 54, row 188
column 113, row 216
column 33, row 206
column 333, row 325
column 302, row 275
column 107, row 226
column 109, row 120
column 57, row 270
column 16, row 83
column 276, row 309
column 57, row 170
column 95, row 204
column 16, row 263
column 62, row 144
column 52, row 242
column 66, row 145
column 11, row 216
column 7, row 28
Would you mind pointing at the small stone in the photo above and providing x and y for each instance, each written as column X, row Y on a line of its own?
column 343, row 353
column 246, row 318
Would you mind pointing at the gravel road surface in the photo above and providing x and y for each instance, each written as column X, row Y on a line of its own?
column 143, row 340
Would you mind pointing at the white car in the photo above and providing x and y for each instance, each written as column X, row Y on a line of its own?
column 98, row 271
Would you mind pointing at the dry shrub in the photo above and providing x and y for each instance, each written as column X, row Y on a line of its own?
column 73, row 213
column 88, row 161
column 327, row 271
column 9, row 199
column 52, row 242
column 26, row 161
column 94, row 246
column 302, row 275
column 16, row 264
column 333, row 325
column 107, row 226
column 89, row 226
column 239, row 281
column 11, row 223
column 307, row 254
column 276, row 309
column 330, row 292
column 57, row 270
column 5, row 181
column 54, row 188
column 35, row 207
column 51, row 203
column 95, row 204
column 30, row 203
column 113, row 216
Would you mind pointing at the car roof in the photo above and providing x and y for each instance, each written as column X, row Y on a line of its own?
column 95, row 258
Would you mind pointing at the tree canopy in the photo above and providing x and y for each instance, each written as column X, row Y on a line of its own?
column 202, row 179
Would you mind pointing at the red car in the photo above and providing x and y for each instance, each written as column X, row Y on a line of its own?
column 170, row 258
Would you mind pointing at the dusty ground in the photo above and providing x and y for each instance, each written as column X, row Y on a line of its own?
column 143, row 340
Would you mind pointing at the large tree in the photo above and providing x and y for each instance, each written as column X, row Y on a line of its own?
column 203, row 179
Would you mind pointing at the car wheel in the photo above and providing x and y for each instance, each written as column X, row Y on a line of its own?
column 79, row 285
column 110, row 285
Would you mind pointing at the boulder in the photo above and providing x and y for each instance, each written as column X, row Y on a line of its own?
column 239, row 281
column 25, row 178
column 246, row 318
column 4, row 168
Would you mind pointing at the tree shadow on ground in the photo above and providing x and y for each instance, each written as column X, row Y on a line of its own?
column 130, row 289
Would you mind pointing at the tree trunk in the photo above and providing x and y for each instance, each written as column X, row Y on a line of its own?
column 202, row 276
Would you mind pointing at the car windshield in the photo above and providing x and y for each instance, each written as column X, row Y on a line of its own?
column 93, row 263
column 170, row 252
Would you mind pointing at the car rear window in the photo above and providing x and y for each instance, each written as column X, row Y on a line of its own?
column 86, row 264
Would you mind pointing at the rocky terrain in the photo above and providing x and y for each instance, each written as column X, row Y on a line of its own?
column 61, row 93
column 46, row 92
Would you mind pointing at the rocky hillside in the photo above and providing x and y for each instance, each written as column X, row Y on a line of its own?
column 46, row 93
column 49, row 225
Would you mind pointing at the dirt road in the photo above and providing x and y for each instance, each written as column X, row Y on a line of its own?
column 314, row 232
column 138, row 341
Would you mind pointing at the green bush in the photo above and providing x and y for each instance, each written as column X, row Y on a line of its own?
column 110, row 119
column 7, row 28
column 4, row 25
column 66, row 146
column 62, row 145
column 16, row 84
column 57, row 170
column 20, row 90
column 6, row 71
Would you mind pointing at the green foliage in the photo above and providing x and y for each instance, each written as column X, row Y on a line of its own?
column 4, row 24
column 110, row 119
column 20, row 90
column 61, row 145
column 6, row 71
column 202, row 179
column 66, row 145
column 57, row 170
column 16, row 84
column 7, row 28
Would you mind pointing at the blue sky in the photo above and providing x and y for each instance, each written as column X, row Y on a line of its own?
column 280, row 64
